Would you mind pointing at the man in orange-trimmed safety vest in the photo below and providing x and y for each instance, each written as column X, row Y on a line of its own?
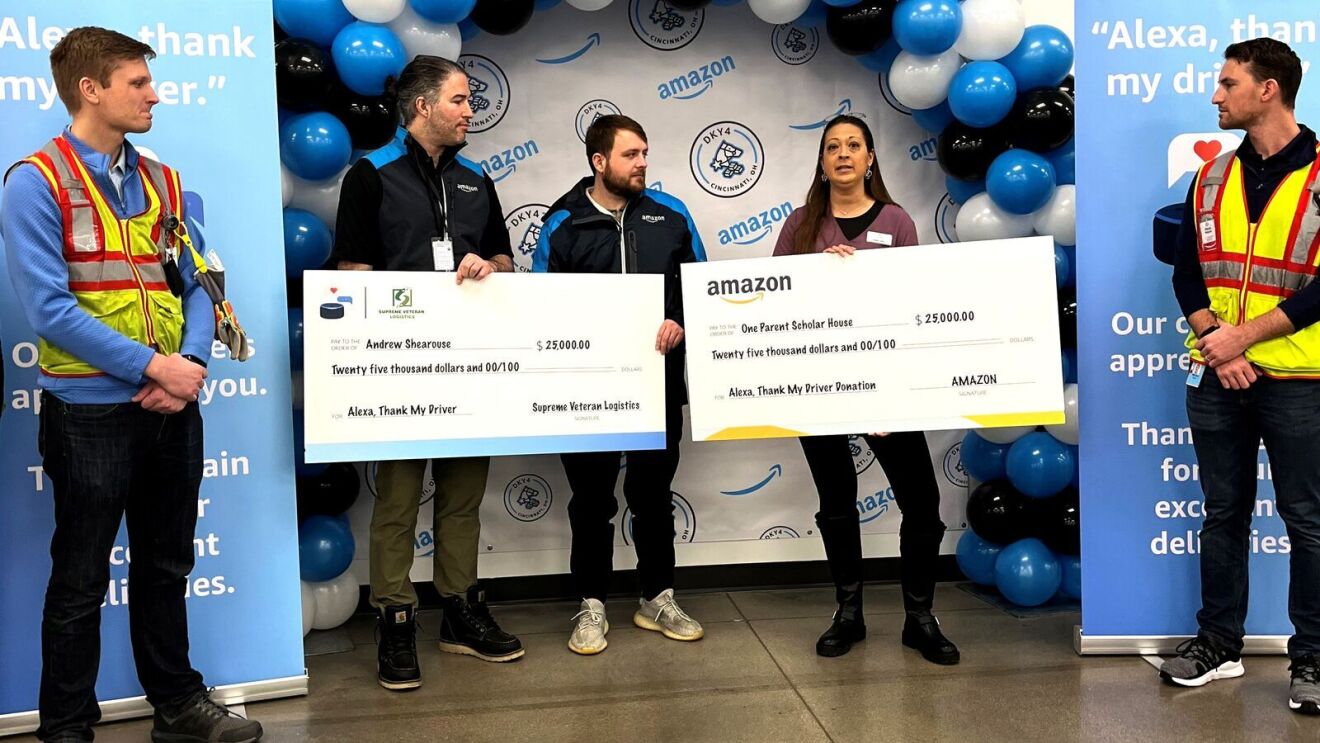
column 93, row 234
column 1244, row 275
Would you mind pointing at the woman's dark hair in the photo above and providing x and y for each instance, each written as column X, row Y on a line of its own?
column 816, row 209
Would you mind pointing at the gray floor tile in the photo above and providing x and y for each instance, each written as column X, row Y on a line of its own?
column 884, row 598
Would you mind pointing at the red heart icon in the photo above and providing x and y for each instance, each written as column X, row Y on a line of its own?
column 334, row 289
column 1208, row 151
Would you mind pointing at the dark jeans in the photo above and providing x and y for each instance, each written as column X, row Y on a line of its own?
column 105, row 462
column 905, row 458
column 1227, row 428
column 592, row 477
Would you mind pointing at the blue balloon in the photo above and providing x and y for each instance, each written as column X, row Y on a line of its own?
column 976, row 558
column 961, row 191
column 725, row 2
column 365, row 54
column 1076, row 481
column 934, row 120
column 443, row 11
column 1071, row 585
column 927, row 26
column 315, row 145
column 1069, row 357
column 1041, row 60
column 1064, row 161
column 544, row 4
column 1071, row 250
column 983, row 460
column 1061, row 266
column 881, row 59
column 307, row 242
column 296, row 349
column 467, row 30
column 1039, row 465
column 1020, row 181
column 317, row 20
column 813, row 16
column 1027, row 573
column 325, row 548
column 842, row 3
column 982, row 93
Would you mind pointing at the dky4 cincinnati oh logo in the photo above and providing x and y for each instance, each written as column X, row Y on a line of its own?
column 590, row 111
column 662, row 26
column 861, row 453
column 946, row 218
column 794, row 45
column 953, row 466
column 524, row 226
column 685, row 521
column 727, row 159
column 528, row 497
column 780, row 532
column 489, row 92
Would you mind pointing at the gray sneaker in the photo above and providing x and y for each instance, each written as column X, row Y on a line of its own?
column 661, row 614
column 1304, row 692
column 588, row 636
column 1199, row 662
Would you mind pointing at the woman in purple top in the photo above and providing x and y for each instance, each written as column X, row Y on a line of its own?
column 848, row 208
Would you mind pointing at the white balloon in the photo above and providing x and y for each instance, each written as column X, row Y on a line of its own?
column 335, row 600
column 308, row 606
column 375, row 11
column 1058, row 218
column 1067, row 431
column 286, row 184
column 980, row 219
column 318, row 197
column 991, row 28
column 588, row 4
column 919, row 81
column 778, row 11
column 420, row 36
column 1004, row 435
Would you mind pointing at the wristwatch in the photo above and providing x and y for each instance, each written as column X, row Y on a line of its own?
column 195, row 360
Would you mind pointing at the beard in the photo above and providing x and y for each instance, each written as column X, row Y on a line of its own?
column 620, row 184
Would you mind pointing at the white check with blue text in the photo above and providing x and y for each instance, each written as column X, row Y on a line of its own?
column 896, row 339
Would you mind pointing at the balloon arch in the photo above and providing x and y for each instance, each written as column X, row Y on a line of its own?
column 995, row 92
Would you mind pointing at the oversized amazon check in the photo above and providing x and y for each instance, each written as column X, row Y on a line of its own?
column 408, row 365
column 894, row 339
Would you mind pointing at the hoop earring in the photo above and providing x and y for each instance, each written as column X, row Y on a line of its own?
column 868, row 174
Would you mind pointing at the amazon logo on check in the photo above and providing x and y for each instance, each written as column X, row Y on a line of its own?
column 746, row 290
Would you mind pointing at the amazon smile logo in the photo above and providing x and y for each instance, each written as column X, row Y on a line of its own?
column 592, row 41
column 748, row 290
column 776, row 470
column 845, row 107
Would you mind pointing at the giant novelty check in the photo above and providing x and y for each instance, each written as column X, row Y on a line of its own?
column 409, row 365
column 894, row 339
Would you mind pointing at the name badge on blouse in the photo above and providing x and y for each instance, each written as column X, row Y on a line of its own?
column 880, row 238
column 443, row 253
column 1209, row 235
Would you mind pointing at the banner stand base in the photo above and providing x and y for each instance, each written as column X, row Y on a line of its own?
column 1165, row 644
column 125, row 709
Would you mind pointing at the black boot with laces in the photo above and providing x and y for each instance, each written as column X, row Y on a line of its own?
column 396, row 649
column 468, row 628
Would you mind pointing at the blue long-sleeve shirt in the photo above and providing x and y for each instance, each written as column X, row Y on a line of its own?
column 34, row 248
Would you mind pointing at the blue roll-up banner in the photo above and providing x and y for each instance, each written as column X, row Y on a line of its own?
column 215, row 124
column 1145, row 75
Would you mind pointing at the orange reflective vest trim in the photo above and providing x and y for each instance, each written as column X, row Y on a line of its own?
column 115, row 265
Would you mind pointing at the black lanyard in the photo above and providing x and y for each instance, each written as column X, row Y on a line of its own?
column 438, row 208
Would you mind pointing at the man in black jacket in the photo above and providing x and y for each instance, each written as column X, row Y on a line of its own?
column 611, row 223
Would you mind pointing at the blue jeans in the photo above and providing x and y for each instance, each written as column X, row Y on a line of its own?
column 107, row 462
column 1227, row 428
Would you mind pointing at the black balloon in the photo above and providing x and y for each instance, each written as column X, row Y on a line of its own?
column 330, row 493
column 1069, row 86
column 502, row 17
column 1068, row 318
column 371, row 120
column 997, row 512
column 689, row 4
column 1057, row 522
column 860, row 28
column 304, row 74
column 1042, row 119
column 965, row 152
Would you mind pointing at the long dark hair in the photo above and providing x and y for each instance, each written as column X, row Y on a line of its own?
column 818, row 196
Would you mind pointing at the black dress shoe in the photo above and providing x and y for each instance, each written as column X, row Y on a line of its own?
column 922, row 633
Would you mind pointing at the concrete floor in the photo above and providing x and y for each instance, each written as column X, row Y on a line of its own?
column 755, row 677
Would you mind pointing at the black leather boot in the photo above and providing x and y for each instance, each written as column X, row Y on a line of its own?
column 396, row 649
column 843, row 549
column 467, row 628
column 921, row 630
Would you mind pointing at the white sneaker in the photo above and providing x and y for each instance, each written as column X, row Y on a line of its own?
column 662, row 614
column 588, row 636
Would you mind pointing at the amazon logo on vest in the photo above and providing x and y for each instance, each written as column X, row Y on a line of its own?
column 1188, row 152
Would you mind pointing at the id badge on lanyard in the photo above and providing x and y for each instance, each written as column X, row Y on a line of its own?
column 1207, row 230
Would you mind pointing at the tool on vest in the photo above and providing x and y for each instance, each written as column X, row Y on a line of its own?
column 211, row 276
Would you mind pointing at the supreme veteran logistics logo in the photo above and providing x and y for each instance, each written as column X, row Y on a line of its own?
column 662, row 26
column 524, row 226
column 490, row 91
column 727, row 159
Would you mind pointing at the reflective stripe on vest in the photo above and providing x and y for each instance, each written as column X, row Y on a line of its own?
column 115, row 269
column 1250, row 267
